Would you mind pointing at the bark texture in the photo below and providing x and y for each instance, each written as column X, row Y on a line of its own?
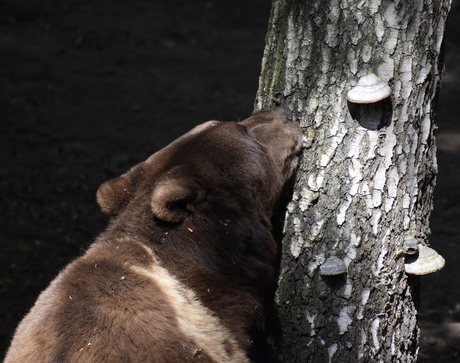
column 360, row 191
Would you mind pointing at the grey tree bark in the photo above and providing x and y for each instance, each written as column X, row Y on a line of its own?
column 360, row 190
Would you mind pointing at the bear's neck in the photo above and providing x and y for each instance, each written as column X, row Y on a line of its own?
column 229, row 265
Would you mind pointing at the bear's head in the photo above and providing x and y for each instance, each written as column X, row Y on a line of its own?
column 238, row 164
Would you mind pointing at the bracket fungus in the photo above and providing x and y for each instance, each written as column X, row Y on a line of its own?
column 333, row 266
column 369, row 102
column 369, row 89
column 426, row 261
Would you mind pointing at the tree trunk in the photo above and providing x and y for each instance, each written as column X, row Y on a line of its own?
column 363, row 188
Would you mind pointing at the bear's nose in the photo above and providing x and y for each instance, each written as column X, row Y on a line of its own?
column 305, row 142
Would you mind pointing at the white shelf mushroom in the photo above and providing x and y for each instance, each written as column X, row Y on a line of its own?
column 369, row 89
column 333, row 266
column 425, row 262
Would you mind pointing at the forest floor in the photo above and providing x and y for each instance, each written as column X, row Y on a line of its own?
column 90, row 88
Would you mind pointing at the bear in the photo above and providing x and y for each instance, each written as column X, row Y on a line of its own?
column 187, row 261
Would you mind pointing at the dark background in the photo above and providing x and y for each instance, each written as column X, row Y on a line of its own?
column 90, row 88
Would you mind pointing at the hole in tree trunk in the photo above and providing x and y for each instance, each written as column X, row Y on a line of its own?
column 372, row 116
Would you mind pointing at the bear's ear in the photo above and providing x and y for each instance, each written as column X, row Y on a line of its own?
column 174, row 199
column 113, row 195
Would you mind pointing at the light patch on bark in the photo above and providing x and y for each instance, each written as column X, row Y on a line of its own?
column 331, row 351
column 344, row 319
column 351, row 254
column 364, row 297
column 393, row 345
column 374, row 6
column 379, row 28
column 375, row 333
column 341, row 215
column 348, row 289
column 306, row 199
column 296, row 246
column 380, row 263
column 352, row 61
column 311, row 320
column 362, row 344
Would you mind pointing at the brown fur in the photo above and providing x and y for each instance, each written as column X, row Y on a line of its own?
column 184, row 267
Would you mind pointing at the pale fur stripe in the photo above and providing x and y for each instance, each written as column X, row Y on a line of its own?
column 195, row 321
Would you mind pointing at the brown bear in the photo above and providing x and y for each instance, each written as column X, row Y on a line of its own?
column 183, row 269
